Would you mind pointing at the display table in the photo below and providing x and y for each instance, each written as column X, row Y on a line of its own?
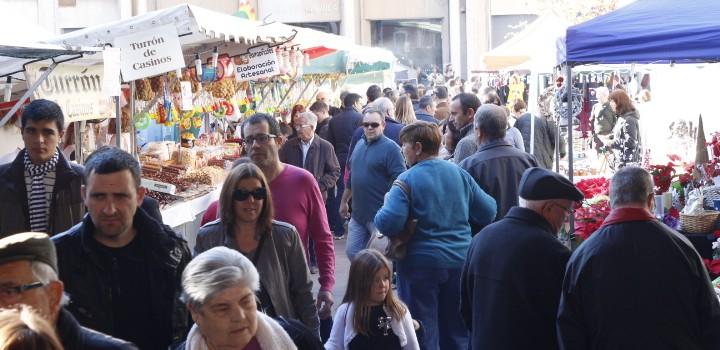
column 702, row 243
column 184, row 217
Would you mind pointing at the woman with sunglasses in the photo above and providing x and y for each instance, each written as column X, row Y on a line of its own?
column 246, row 224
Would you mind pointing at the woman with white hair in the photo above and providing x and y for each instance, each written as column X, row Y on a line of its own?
column 219, row 288
column 602, row 118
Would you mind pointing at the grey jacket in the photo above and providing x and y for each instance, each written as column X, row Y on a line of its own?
column 282, row 267
column 468, row 145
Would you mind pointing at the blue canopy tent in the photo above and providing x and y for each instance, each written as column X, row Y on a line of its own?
column 646, row 31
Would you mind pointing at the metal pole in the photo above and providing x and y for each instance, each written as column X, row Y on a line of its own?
column 570, row 136
column 27, row 93
column 118, row 123
column 78, row 143
column 532, row 119
column 133, row 137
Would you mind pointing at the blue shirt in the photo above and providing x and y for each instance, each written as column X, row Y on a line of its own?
column 373, row 168
column 444, row 199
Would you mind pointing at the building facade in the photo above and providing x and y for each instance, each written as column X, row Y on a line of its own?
column 419, row 32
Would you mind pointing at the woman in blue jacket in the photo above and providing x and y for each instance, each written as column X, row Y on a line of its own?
column 445, row 200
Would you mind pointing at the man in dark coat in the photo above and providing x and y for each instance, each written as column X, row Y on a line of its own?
column 122, row 268
column 312, row 153
column 497, row 166
column 514, row 268
column 340, row 133
column 40, row 189
column 323, row 119
column 636, row 283
column 545, row 139
column 28, row 274
column 426, row 110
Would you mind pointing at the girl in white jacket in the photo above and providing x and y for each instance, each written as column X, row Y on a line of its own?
column 371, row 316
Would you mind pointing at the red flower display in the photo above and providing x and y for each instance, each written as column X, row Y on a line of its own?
column 590, row 217
column 662, row 177
column 594, row 187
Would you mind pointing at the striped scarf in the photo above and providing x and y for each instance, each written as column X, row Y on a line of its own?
column 40, row 182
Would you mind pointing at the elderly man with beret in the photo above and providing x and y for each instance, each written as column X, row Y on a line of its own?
column 28, row 276
column 514, row 269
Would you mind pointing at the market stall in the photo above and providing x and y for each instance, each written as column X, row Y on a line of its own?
column 641, row 32
column 179, row 66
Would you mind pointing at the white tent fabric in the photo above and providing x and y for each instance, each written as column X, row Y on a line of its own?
column 13, row 55
column 535, row 48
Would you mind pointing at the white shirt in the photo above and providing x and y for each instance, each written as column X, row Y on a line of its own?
column 305, row 148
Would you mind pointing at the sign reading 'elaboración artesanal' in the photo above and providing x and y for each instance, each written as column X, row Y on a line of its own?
column 262, row 62
column 150, row 53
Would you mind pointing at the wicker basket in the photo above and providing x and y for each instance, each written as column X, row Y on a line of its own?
column 700, row 223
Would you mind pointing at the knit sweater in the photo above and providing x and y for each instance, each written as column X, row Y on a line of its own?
column 444, row 199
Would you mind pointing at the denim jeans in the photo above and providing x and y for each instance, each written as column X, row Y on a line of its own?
column 432, row 295
column 332, row 206
column 358, row 237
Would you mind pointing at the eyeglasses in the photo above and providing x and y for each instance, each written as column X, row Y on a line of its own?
column 258, row 193
column 566, row 210
column 371, row 125
column 260, row 138
column 300, row 127
column 10, row 293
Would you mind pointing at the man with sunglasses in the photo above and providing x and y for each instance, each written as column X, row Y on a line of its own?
column 28, row 276
column 297, row 200
column 515, row 267
column 121, row 267
column 374, row 164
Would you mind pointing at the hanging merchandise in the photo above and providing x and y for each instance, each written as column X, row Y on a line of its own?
column 141, row 121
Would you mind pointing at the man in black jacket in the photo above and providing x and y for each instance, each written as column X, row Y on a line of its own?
column 340, row 134
column 121, row 267
column 514, row 268
column 312, row 153
column 497, row 166
column 40, row 189
column 28, row 276
column 636, row 283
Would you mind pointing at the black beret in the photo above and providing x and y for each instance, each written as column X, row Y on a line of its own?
column 31, row 246
column 541, row 184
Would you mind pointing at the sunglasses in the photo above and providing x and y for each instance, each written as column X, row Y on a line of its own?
column 258, row 193
column 260, row 138
column 371, row 125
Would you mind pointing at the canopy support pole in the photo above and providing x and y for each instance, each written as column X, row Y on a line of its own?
column 133, row 137
column 118, row 123
column 27, row 93
column 568, row 87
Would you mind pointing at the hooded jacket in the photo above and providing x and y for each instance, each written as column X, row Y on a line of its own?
column 626, row 141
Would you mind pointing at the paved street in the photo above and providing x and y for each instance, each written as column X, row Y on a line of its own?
column 342, row 267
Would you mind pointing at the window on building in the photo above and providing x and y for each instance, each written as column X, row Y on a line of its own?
column 412, row 41
column 327, row 27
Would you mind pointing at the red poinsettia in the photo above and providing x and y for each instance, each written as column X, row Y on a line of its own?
column 594, row 187
column 713, row 266
column 589, row 217
column 662, row 176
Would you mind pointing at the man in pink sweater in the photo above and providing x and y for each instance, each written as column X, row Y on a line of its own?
column 296, row 200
